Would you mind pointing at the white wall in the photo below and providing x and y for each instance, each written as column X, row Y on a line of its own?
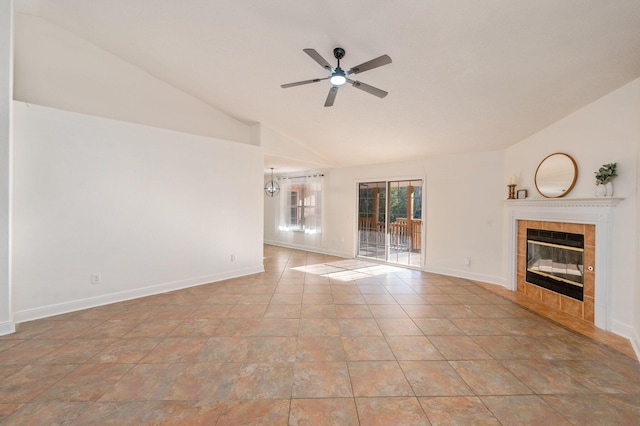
column 463, row 212
column 605, row 131
column 6, row 96
column 56, row 68
column 149, row 209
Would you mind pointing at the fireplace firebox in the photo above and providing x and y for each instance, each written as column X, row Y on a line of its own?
column 555, row 261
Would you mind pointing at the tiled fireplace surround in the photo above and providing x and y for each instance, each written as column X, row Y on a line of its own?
column 591, row 217
column 579, row 309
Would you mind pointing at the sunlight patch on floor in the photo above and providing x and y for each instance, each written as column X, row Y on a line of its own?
column 347, row 270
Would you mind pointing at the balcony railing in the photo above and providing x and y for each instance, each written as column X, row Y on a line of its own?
column 404, row 234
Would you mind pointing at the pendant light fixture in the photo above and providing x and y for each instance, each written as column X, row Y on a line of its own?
column 272, row 188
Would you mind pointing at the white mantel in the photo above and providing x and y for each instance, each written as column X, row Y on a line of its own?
column 564, row 202
column 593, row 211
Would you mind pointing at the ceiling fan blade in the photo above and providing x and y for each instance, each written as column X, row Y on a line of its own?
column 374, row 63
column 369, row 89
column 300, row 83
column 319, row 59
column 331, row 96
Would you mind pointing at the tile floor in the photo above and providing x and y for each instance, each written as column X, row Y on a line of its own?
column 315, row 340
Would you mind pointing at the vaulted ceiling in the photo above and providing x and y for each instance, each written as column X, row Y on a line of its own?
column 466, row 76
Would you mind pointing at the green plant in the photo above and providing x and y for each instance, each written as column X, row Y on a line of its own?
column 606, row 173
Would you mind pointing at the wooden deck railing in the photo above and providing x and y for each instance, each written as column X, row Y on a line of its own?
column 403, row 234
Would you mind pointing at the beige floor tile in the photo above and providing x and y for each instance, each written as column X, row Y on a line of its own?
column 437, row 327
column 359, row 327
column 28, row 351
column 320, row 348
column 175, row 350
column 279, row 327
column 398, row 327
column 523, row 410
column 259, row 412
column 367, row 348
column 458, row 348
column 86, row 383
column 489, row 377
column 45, row 413
column 272, row 349
column 353, row 311
column 323, row 411
column 271, row 380
column 434, row 378
column 457, row 410
column 321, row 380
column 126, row 351
column 378, row 378
column 413, row 348
column 391, row 411
column 319, row 327
column 387, row 311
column 225, row 349
column 31, row 380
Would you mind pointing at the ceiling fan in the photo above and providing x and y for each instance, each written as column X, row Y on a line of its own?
column 338, row 76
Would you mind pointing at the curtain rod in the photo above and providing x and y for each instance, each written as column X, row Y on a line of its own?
column 298, row 177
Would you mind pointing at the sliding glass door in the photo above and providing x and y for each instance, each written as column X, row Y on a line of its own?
column 390, row 221
column 372, row 212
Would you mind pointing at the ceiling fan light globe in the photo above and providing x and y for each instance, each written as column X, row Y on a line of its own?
column 338, row 79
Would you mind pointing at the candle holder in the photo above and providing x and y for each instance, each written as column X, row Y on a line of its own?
column 512, row 191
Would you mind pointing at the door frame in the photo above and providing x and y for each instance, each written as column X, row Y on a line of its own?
column 423, row 236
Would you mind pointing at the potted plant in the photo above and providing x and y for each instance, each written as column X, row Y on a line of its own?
column 604, row 176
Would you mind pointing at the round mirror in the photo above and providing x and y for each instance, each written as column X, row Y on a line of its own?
column 556, row 175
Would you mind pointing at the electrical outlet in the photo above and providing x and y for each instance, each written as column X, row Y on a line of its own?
column 96, row 279
column 233, row 257
column 467, row 261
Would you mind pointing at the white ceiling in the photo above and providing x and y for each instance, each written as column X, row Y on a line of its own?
column 467, row 75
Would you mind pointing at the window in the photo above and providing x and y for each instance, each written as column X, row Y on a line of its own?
column 301, row 204
column 294, row 222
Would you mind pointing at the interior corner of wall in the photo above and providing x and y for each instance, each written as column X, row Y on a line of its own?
column 8, row 327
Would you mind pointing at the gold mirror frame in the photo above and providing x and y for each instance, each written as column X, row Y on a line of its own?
column 556, row 175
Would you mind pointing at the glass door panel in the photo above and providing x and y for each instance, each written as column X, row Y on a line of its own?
column 405, row 222
column 371, row 220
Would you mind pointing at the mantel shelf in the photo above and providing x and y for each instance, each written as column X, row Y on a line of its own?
column 565, row 202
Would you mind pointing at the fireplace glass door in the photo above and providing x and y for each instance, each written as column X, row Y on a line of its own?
column 555, row 261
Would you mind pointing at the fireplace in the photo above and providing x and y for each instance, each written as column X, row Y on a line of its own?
column 555, row 261
column 591, row 217
column 556, row 265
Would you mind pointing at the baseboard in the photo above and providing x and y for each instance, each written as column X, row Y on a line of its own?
column 106, row 299
column 635, row 343
column 309, row 249
column 491, row 279
column 7, row 327
column 628, row 332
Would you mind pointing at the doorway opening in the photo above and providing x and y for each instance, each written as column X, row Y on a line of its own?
column 390, row 221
